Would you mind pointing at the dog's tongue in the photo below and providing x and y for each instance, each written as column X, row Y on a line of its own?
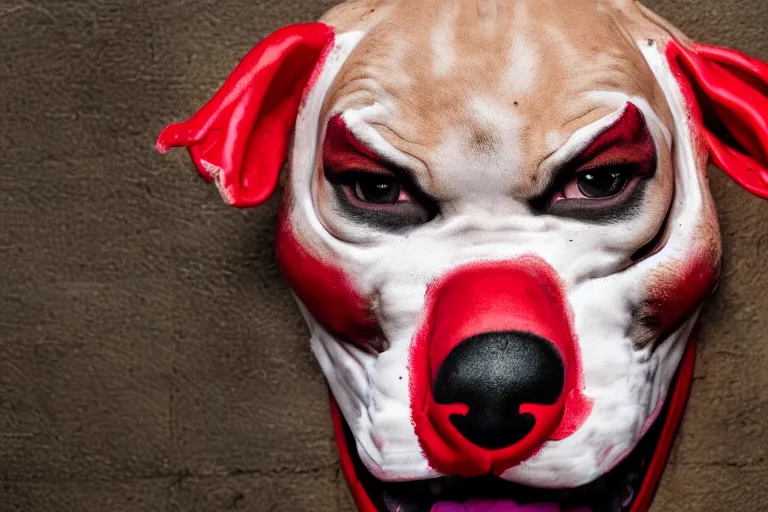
column 500, row 506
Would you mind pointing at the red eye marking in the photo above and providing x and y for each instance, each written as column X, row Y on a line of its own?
column 342, row 152
column 627, row 142
column 368, row 182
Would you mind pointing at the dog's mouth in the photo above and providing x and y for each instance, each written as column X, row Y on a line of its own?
column 613, row 492
column 628, row 487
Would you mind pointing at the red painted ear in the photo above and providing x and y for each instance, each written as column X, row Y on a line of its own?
column 240, row 138
column 728, row 94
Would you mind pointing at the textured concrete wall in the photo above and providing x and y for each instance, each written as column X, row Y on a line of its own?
column 151, row 358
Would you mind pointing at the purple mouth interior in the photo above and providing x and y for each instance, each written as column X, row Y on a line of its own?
column 500, row 506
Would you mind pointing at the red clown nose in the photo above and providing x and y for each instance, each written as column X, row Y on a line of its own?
column 495, row 367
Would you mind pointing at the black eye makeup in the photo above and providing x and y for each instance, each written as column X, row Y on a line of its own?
column 626, row 200
column 384, row 201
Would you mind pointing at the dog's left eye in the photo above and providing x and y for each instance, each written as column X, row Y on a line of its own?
column 378, row 189
column 598, row 183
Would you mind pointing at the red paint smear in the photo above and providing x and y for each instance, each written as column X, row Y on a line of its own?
column 674, row 293
column 627, row 142
column 523, row 295
column 325, row 290
column 245, row 129
column 727, row 96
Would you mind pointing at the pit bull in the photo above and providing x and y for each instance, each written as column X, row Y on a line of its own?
column 497, row 225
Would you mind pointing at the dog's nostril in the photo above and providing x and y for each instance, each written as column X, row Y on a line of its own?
column 494, row 374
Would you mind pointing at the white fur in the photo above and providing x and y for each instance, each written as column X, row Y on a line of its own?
column 443, row 51
column 456, row 158
column 524, row 62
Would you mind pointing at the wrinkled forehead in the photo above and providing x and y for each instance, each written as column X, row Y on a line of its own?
column 434, row 66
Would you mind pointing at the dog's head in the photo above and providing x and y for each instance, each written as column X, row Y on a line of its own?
column 498, row 227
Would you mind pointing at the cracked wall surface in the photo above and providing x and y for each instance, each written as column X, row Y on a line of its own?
column 151, row 358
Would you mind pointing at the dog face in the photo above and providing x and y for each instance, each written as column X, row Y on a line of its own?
column 497, row 225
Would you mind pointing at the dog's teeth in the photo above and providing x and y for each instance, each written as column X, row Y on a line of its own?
column 398, row 505
column 627, row 496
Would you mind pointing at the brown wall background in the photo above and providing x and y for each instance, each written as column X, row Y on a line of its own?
column 151, row 358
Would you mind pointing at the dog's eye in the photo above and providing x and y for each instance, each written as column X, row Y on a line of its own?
column 598, row 183
column 378, row 189
column 602, row 182
column 606, row 182
column 381, row 199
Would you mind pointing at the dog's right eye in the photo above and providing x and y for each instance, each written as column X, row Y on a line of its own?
column 369, row 189
column 598, row 183
column 382, row 199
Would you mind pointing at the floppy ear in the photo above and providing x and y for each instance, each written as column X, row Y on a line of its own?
column 240, row 138
column 727, row 92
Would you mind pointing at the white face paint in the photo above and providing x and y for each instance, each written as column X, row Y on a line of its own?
column 480, row 222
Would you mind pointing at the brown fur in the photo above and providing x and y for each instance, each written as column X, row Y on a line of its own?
column 579, row 46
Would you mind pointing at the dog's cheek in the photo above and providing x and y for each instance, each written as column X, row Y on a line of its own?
column 676, row 289
column 326, row 291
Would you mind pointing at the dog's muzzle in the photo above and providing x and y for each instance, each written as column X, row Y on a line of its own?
column 495, row 367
